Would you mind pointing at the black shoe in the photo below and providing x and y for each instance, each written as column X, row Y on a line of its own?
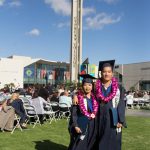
column 7, row 130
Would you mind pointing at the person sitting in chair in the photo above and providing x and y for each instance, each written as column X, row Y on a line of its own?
column 39, row 103
column 17, row 104
column 65, row 101
column 7, row 115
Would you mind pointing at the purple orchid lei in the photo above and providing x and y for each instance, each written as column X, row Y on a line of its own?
column 83, row 108
column 99, row 94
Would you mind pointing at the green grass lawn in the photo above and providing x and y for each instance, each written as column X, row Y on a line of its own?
column 55, row 136
column 137, row 135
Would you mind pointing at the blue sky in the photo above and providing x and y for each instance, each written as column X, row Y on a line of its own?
column 112, row 29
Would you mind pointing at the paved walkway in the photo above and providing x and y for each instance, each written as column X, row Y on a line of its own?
column 141, row 113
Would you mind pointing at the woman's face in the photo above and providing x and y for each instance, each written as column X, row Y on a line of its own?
column 107, row 73
column 87, row 87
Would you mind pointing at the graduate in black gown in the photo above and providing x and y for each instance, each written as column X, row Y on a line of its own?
column 111, row 114
column 83, row 117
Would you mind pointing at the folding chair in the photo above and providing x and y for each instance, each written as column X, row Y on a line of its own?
column 55, row 108
column 28, row 96
column 25, row 100
column 31, row 113
column 17, row 119
column 50, row 113
column 64, row 111
column 130, row 103
column 21, row 96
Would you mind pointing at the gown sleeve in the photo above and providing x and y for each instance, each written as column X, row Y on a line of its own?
column 74, row 116
column 121, row 108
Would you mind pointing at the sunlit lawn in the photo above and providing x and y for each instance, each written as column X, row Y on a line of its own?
column 137, row 135
column 55, row 136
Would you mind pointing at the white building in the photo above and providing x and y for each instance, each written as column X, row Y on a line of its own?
column 12, row 69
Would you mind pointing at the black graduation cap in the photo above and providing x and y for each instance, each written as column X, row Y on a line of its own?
column 107, row 63
column 87, row 78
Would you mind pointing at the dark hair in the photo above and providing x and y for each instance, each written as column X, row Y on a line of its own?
column 107, row 65
column 35, row 95
column 82, row 90
column 62, row 94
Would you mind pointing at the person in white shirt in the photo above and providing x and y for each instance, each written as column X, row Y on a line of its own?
column 39, row 103
column 65, row 100
column 130, row 100
column 146, row 96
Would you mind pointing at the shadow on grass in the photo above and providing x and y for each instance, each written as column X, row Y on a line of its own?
column 48, row 145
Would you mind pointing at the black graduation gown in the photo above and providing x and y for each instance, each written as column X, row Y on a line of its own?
column 108, row 138
column 90, row 137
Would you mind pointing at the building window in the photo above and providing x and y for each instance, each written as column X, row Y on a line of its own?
column 148, row 68
column 145, row 85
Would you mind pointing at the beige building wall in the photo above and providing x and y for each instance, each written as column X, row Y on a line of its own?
column 134, row 74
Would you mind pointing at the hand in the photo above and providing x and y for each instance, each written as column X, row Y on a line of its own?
column 75, row 100
column 78, row 130
column 119, row 125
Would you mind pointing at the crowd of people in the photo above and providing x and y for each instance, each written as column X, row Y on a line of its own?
column 11, row 103
column 134, row 97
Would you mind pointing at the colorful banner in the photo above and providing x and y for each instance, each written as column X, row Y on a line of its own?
column 29, row 72
column 59, row 74
column 66, row 75
column 83, row 69
column 92, row 69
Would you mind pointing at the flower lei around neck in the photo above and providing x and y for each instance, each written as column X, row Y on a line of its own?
column 111, row 95
column 83, row 108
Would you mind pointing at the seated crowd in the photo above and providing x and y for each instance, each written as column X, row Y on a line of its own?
column 12, row 104
column 137, row 97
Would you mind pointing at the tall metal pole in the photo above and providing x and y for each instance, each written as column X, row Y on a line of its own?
column 76, row 39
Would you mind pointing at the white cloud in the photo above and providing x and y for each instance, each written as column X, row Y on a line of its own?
column 87, row 11
column 63, row 24
column 15, row 3
column 60, row 6
column 34, row 32
column 101, row 20
column 63, row 7
column 2, row 2
column 110, row 1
